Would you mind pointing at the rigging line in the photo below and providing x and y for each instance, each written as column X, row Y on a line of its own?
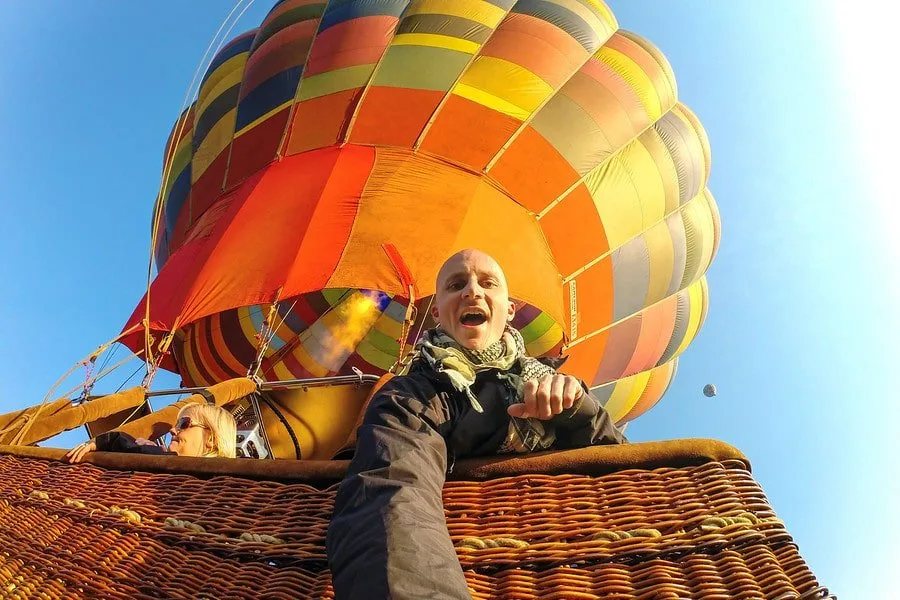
column 139, row 406
column 274, row 330
column 191, row 92
column 204, row 65
column 295, row 337
column 218, row 327
column 165, row 344
column 73, row 368
column 424, row 316
column 265, row 336
column 134, row 412
column 283, row 317
column 88, row 373
column 271, row 332
column 299, row 337
column 103, row 374
column 169, row 160
column 27, row 426
column 108, row 357
column 136, row 371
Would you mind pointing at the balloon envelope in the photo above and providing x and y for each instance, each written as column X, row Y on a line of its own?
column 336, row 155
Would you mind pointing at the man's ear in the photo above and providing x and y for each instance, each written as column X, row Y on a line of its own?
column 434, row 313
column 512, row 311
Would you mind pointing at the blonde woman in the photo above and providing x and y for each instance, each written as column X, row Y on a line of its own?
column 200, row 430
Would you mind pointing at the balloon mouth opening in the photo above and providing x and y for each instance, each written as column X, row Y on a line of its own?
column 325, row 333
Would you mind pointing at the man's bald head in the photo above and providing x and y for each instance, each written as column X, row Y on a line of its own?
column 470, row 254
column 472, row 299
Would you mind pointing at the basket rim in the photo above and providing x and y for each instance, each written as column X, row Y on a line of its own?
column 591, row 461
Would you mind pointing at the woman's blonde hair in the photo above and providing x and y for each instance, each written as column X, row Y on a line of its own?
column 222, row 427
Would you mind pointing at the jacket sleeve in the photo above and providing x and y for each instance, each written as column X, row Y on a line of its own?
column 116, row 441
column 388, row 535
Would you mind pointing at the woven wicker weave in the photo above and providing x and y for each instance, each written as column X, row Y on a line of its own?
column 702, row 532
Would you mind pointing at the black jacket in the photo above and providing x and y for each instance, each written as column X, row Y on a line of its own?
column 388, row 537
column 470, row 433
column 116, row 441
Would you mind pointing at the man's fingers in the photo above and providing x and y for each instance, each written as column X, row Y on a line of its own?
column 557, row 393
column 542, row 398
column 532, row 393
column 517, row 410
column 572, row 392
column 528, row 392
column 530, row 398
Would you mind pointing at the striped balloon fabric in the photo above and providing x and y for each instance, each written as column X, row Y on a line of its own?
column 336, row 155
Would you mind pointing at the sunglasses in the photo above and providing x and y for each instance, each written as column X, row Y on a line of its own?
column 186, row 422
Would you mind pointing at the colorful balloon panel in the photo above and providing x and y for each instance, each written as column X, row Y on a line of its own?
column 338, row 153
column 322, row 334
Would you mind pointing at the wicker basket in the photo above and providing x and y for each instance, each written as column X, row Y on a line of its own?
column 649, row 521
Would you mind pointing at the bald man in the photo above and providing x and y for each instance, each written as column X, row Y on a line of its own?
column 470, row 390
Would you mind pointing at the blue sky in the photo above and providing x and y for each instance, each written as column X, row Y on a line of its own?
column 803, row 321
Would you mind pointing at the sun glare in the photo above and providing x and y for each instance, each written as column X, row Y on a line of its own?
column 866, row 55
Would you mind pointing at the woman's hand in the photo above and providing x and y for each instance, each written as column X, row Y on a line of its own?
column 547, row 397
column 78, row 453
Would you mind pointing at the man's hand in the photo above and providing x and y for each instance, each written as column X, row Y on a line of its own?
column 548, row 396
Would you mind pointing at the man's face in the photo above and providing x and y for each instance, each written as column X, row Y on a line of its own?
column 472, row 301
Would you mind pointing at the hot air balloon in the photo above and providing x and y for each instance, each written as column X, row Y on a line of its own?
column 709, row 390
column 336, row 155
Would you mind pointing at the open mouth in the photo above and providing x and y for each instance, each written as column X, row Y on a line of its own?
column 473, row 318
